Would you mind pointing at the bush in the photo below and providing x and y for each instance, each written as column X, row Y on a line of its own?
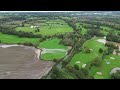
column 0, row 41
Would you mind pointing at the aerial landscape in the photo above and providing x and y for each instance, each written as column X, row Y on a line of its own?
column 59, row 44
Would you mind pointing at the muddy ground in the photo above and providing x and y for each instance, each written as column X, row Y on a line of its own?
column 20, row 63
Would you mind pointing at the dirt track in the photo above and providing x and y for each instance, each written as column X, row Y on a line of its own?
column 20, row 63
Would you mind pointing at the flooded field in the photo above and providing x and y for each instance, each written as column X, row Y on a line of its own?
column 21, row 62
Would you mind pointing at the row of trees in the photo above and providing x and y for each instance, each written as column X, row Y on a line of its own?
column 11, row 31
column 78, row 73
column 113, row 37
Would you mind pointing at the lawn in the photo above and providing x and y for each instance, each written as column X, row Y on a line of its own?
column 52, row 44
column 51, row 56
column 86, row 58
column 11, row 39
column 106, row 68
column 48, row 28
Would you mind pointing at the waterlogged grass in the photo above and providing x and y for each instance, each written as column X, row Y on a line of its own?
column 11, row 39
column 52, row 44
column 48, row 44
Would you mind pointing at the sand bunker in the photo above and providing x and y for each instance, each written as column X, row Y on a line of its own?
column 102, row 40
column 112, row 58
column 84, row 65
column 99, row 73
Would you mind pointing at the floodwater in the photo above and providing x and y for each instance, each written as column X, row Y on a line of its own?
column 52, row 50
column 21, row 62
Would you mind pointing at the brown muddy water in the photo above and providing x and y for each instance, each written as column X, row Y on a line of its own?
column 20, row 62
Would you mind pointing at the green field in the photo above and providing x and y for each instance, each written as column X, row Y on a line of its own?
column 48, row 44
column 50, row 27
column 52, row 44
column 11, row 39
column 86, row 58
column 106, row 68
column 51, row 56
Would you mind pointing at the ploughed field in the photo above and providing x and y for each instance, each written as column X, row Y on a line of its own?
column 20, row 63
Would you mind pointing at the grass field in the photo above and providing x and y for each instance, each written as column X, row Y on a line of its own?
column 106, row 68
column 50, row 27
column 11, row 39
column 86, row 58
column 52, row 44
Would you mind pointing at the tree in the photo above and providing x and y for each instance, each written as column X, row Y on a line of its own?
column 76, row 67
column 64, row 63
column 85, row 71
column 100, row 50
column 70, row 68
column 110, row 50
column 117, row 51
column 96, row 62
